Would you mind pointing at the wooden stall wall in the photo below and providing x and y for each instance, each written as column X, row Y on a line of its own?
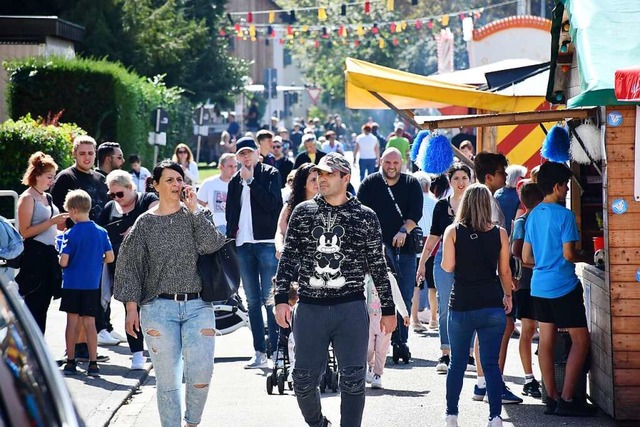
column 623, row 236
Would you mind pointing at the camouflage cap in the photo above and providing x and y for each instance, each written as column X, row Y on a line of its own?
column 334, row 162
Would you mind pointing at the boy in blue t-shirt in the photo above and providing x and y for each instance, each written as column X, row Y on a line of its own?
column 549, row 244
column 84, row 249
column 530, row 196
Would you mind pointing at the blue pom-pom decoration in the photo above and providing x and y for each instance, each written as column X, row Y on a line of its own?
column 417, row 143
column 438, row 155
column 422, row 154
column 556, row 145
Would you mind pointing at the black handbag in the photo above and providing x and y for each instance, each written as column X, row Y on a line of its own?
column 220, row 273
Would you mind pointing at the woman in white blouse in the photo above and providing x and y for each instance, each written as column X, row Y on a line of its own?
column 183, row 156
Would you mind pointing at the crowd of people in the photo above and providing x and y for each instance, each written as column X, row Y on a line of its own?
column 498, row 246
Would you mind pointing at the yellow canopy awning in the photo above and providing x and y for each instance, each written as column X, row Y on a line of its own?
column 407, row 91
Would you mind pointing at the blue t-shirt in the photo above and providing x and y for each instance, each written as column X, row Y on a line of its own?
column 518, row 234
column 509, row 202
column 548, row 227
column 86, row 244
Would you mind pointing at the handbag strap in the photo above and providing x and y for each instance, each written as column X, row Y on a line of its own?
column 393, row 198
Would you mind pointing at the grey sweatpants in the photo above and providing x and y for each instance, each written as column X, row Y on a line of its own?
column 346, row 326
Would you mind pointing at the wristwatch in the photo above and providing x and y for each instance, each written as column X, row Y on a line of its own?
column 249, row 180
column 403, row 230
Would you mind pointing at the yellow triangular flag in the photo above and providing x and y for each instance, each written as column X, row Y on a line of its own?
column 445, row 20
column 272, row 16
column 381, row 43
column 252, row 31
column 390, row 5
column 360, row 30
column 322, row 14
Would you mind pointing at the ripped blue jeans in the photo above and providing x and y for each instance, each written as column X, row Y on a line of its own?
column 180, row 337
column 345, row 325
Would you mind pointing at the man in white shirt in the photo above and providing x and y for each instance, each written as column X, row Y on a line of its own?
column 213, row 191
column 331, row 145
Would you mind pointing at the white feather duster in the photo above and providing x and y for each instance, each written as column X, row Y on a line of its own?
column 590, row 135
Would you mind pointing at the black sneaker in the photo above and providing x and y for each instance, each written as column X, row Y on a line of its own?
column 471, row 364
column 82, row 354
column 326, row 422
column 93, row 370
column 575, row 409
column 443, row 364
column 550, row 406
column 532, row 389
column 70, row 368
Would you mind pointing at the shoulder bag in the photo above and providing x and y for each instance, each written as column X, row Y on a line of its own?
column 220, row 273
column 416, row 235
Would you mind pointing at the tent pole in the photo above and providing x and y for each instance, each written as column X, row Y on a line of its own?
column 408, row 116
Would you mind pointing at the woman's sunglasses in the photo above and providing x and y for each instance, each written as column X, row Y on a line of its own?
column 118, row 194
column 181, row 151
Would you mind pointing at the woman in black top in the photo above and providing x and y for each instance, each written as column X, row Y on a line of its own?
column 117, row 218
column 474, row 249
column 443, row 215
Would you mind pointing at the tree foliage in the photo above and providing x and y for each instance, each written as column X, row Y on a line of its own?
column 177, row 38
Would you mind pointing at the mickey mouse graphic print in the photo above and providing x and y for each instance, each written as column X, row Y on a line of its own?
column 328, row 250
column 328, row 256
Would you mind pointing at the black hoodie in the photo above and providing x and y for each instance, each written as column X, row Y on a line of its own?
column 328, row 249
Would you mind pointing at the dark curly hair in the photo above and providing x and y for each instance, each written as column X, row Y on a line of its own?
column 298, row 187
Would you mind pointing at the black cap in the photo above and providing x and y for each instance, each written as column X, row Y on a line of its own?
column 244, row 143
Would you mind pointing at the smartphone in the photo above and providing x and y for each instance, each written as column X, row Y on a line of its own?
column 183, row 194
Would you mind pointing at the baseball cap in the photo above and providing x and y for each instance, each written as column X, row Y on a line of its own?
column 399, row 125
column 308, row 137
column 246, row 143
column 333, row 162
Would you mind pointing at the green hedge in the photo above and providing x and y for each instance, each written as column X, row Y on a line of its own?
column 102, row 97
column 20, row 139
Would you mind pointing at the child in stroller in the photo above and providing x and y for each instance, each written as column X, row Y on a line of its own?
column 284, row 356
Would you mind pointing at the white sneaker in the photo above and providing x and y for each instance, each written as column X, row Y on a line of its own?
column 104, row 338
column 417, row 327
column 369, row 376
column 495, row 422
column 137, row 361
column 118, row 336
column 376, row 382
column 259, row 360
column 451, row 421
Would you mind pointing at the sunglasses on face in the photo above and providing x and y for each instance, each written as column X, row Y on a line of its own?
column 277, row 146
column 118, row 194
column 181, row 151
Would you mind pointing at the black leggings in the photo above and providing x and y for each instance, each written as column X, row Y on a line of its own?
column 135, row 344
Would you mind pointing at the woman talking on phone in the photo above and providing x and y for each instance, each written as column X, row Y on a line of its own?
column 157, row 270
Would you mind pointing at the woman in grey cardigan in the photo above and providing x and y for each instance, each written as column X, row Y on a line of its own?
column 157, row 270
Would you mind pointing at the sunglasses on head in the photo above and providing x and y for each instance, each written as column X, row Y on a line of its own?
column 118, row 194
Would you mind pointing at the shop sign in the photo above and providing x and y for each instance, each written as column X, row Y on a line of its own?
column 619, row 206
column 614, row 119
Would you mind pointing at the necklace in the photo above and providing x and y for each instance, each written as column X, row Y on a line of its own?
column 38, row 191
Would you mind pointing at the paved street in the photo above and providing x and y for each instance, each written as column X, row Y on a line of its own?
column 413, row 394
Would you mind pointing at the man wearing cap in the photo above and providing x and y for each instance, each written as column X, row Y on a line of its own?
column 331, row 145
column 254, row 201
column 396, row 198
column 399, row 141
column 311, row 153
column 332, row 240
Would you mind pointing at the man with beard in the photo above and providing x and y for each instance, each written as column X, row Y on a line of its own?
column 110, row 158
column 332, row 241
column 396, row 198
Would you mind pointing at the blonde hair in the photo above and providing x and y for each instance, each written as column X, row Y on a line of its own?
column 182, row 146
column 78, row 200
column 39, row 164
column 83, row 139
column 121, row 178
column 475, row 208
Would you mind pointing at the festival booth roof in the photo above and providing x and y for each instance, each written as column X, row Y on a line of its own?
column 371, row 86
column 606, row 36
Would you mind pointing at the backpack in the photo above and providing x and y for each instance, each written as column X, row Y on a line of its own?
column 11, row 244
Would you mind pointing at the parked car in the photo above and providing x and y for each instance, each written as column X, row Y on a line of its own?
column 32, row 389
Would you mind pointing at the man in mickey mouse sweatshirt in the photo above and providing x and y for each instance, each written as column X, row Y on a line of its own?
column 332, row 241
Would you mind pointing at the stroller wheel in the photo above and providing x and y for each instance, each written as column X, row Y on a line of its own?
column 406, row 354
column 334, row 382
column 281, row 381
column 269, row 384
column 290, row 384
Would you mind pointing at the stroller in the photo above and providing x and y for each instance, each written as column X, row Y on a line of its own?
column 231, row 315
column 400, row 350
column 330, row 377
column 281, row 364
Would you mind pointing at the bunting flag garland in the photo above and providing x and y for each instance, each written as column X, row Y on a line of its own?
column 248, row 26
